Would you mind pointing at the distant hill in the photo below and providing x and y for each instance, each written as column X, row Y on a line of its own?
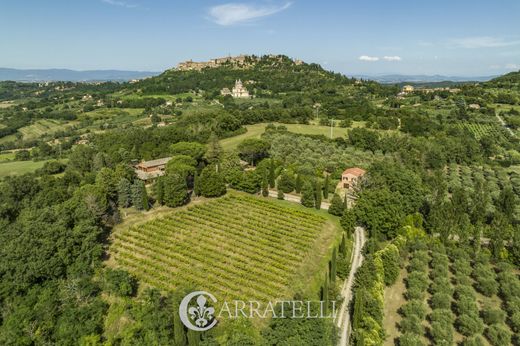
column 511, row 77
column 398, row 78
column 49, row 75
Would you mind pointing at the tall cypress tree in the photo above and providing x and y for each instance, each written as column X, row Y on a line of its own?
column 326, row 294
column 272, row 174
column 343, row 247
column 158, row 189
column 317, row 195
column 179, row 334
column 333, row 267
column 196, row 184
column 139, row 195
column 265, row 187
column 193, row 338
column 307, row 199
column 298, row 184
column 326, row 187
column 124, row 194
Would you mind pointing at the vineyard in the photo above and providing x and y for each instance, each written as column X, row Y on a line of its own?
column 238, row 247
column 480, row 130
column 454, row 295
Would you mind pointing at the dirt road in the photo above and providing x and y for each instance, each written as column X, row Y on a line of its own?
column 343, row 317
column 295, row 198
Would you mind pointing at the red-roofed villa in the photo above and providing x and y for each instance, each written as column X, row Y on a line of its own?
column 351, row 176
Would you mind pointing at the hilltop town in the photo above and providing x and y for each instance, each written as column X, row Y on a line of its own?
column 241, row 61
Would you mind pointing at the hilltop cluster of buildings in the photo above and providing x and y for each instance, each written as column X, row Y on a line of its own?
column 239, row 61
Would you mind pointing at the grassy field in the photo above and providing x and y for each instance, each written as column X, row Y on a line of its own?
column 7, row 156
column 266, row 251
column 254, row 131
column 43, row 127
column 19, row 167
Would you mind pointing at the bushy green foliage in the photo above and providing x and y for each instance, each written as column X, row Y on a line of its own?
column 469, row 325
column 336, row 206
column 120, row 282
column 498, row 334
column 440, row 300
column 410, row 339
column 211, row 183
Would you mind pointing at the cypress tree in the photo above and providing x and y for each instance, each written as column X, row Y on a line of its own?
column 343, row 247
column 179, row 334
column 307, row 199
column 281, row 196
column 298, row 184
column 175, row 190
column 326, row 187
column 326, row 293
column 193, row 338
column 333, row 267
column 214, row 151
column 272, row 174
column 196, row 184
column 358, row 308
column 317, row 195
column 158, row 188
column 124, row 194
column 337, row 207
column 139, row 195
column 265, row 187
column 345, row 200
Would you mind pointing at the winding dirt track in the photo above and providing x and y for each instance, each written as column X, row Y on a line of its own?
column 343, row 316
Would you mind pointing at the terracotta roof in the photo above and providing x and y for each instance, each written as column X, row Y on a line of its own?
column 354, row 171
column 154, row 163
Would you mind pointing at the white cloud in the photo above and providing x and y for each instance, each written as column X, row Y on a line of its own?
column 368, row 58
column 513, row 66
column 236, row 13
column 482, row 42
column 119, row 3
column 392, row 58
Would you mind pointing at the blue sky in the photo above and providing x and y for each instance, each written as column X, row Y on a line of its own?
column 455, row 37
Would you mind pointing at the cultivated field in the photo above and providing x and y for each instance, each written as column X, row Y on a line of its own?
column 452, row 295
column 254, row 131
column 237, row 246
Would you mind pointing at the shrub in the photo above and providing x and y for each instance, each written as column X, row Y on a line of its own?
column 411, row 324
column 469, row 325
column 473, row 341
column 441, row 333
column 413, row 307
column 441, row 285
column 120, row 282
column 417, row 264
column 439, row 270
column 414, row 293
column 440, row 301
column 462, row 267
column 492, row 316
column 410, row 339
column 498, row 334
column 514, row 322
column 417, row 280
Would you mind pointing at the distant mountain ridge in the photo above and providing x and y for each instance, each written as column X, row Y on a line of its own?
column 50, row 75
column 398, row 78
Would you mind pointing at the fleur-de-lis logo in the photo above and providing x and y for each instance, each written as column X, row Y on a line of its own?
column 201, row 315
